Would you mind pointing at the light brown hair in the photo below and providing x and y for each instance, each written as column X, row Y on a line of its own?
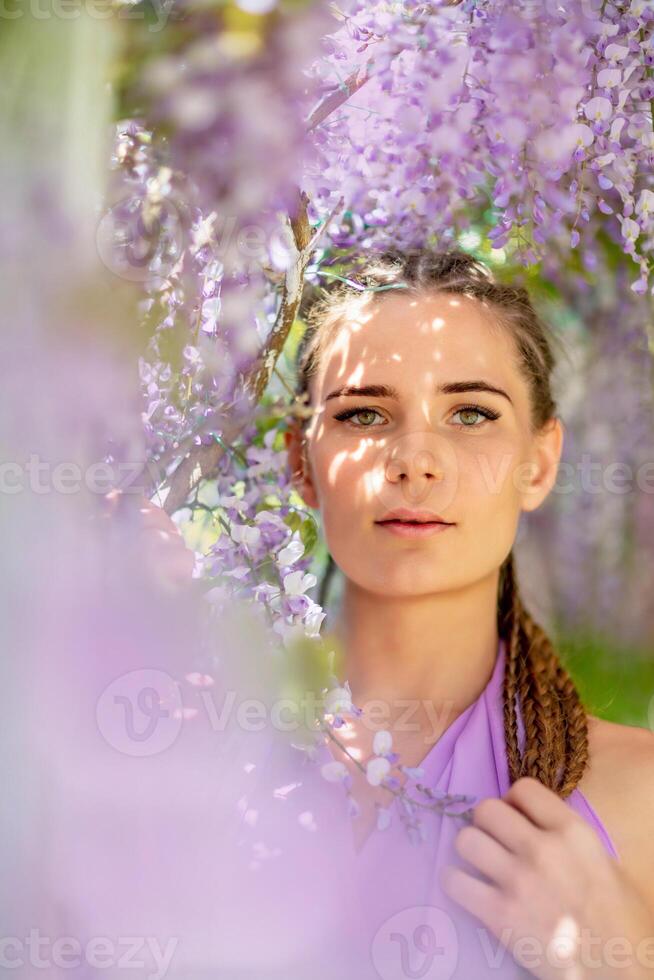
column 555, row 720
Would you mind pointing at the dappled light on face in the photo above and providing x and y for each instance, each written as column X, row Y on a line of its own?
column 339, row 350
column 340, row 345
column 335, row 466
column 316, row 426
column 349, row 367
column 426, row 408
column 431, row 325
column 353, row 455
column 373, row 483
column 356, row 374
column 357, row 454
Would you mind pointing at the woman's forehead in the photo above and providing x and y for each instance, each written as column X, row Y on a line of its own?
column 414, row 336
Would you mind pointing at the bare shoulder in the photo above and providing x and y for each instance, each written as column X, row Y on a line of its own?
column 620, row 773
column 607, row 736
column 609, row 740
column 619, row 785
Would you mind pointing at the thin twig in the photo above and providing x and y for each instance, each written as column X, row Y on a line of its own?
column 437, row 806
column 340, row 95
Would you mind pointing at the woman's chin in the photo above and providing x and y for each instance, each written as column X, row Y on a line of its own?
column 403, row 583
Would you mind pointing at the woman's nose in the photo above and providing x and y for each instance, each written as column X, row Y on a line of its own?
column 424, row 467
column 414, row 457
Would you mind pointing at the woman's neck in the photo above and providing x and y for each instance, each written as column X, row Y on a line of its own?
column 434, row 652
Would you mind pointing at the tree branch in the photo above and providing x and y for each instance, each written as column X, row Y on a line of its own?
column 340, row 95
column 202, row 461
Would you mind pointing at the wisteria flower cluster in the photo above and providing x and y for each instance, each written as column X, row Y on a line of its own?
column 542, row 110
column 383, row 768
column 162, row 238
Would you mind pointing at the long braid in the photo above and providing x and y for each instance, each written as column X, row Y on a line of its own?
column 556, row 733
column 508, row 622
column 575, row 731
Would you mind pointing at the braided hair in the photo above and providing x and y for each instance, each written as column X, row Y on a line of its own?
column 555, row 749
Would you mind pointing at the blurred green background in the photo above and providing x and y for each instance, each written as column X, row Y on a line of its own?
column 615, row 683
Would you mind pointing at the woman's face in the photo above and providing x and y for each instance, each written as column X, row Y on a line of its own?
column 417, row 443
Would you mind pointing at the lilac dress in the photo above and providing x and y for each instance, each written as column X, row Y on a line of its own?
column 380, row 912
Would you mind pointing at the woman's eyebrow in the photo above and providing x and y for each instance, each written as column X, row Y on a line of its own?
column 388, row 391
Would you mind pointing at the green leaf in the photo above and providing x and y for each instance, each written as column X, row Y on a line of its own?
column 294, row 520
column 309, row 534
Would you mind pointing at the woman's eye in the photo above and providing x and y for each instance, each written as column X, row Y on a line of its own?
column 475, row 410
column 351, row 413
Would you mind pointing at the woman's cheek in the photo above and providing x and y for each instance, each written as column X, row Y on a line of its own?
column 487, row 470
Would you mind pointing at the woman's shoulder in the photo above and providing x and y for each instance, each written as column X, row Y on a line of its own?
column 610, row 736
column 619, row 784
column 620, row 770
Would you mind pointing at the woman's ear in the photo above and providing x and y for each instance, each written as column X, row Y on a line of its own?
column 297, row 460
column 544, row 464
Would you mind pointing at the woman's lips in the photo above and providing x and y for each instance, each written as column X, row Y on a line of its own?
column 406, row 530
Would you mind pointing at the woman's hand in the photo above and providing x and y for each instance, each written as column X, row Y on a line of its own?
column 549, row 891
column 162, row 543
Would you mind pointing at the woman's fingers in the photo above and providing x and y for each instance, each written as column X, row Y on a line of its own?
column 480, row 898
column 505, row 824
column 486, row 854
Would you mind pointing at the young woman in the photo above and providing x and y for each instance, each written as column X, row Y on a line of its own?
column 431, row 399
column 449, row 376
